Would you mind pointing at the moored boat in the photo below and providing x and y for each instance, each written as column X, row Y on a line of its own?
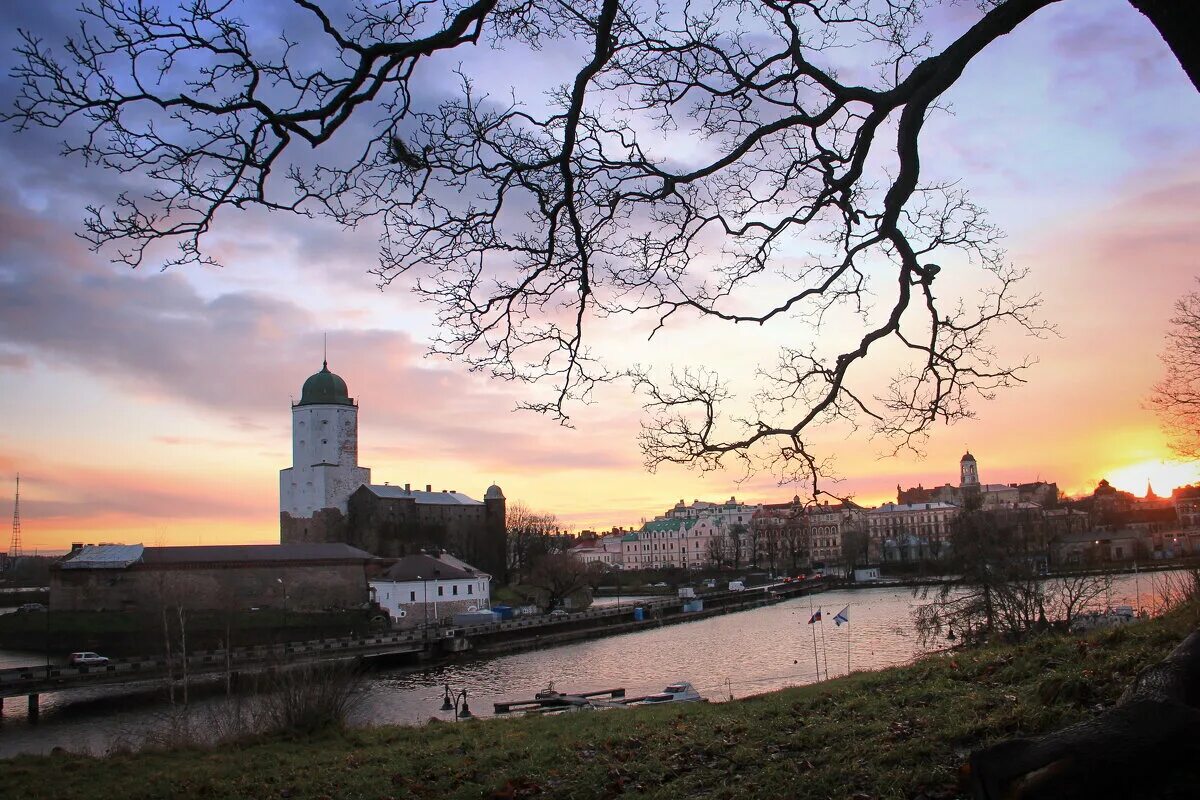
column 678, row 692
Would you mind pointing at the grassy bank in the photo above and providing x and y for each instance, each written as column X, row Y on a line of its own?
column 900, row 732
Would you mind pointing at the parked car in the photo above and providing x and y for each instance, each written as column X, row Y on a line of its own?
column 558, row 612
column 86, row 659
column 30, row 607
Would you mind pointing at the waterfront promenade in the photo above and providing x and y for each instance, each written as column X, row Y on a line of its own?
column 32, row 680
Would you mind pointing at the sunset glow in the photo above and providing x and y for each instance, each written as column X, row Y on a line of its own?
column 1163, row 476
column 154, row 406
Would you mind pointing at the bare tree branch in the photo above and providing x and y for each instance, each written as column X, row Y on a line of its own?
column 526, row 219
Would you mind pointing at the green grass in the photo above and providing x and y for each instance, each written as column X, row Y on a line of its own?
column 900, row 732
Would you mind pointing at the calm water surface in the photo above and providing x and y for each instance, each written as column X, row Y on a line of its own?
column 736, row 654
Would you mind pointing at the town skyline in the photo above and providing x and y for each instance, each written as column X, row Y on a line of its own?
column 153, row 406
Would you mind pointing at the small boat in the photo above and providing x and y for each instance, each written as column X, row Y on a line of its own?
column 549, row 693
column 1094, row 620
column 679, row 692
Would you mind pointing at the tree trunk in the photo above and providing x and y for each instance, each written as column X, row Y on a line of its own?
column 170, row 667
column 183, row 653
column 1174, row 19
column 1146, row 742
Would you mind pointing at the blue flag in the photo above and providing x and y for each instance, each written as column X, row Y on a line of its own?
column 842, row 616
column 815, row 617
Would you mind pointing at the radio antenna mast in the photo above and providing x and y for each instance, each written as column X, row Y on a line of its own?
column 14, row 546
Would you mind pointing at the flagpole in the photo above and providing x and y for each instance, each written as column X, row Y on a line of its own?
column 816, row 659
column 824, row 651
column 847, row 641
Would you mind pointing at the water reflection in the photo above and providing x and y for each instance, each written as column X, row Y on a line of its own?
column 740, row 654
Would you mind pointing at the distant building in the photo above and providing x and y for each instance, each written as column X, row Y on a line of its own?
column 910, row 532
column 425, row 589
column 1187, row 509
column 989, row 495
column 325, row 496
column 683, row 543
column 299, row 577
column 606, row 550
column 827, row 526
column 731, row 512
column 780, row 535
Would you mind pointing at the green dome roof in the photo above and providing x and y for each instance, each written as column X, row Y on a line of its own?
column 325, row 388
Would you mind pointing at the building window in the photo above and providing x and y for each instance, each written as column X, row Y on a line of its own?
column 455, row 589
column 470, row 589
column 412, row 597
column 441, row 591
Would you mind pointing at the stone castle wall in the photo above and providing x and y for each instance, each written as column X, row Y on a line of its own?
column 315, row 586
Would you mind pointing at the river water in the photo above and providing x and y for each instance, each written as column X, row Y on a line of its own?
column 737, row 654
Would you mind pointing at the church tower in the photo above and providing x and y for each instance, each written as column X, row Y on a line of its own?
column 969, row 471
column 324, row 472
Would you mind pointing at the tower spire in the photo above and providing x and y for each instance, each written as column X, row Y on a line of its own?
column 325, row 352
column 14, row 547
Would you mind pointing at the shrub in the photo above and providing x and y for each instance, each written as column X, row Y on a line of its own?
column 309, row 699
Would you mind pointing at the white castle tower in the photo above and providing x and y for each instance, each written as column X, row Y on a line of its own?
column 325, row 470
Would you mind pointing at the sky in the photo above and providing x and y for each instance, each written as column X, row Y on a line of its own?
column 152, row 405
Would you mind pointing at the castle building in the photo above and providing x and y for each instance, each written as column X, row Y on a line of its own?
column 325, row 496
column 989, row 495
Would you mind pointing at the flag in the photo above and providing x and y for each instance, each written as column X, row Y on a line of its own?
column 842, row 616
column 815, row 617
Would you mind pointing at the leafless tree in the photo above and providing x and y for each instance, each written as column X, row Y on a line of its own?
column 855, row 543
column 531, row 536
column 559, row 575
column 767, row 536
column 720, row 550
column 1176, row 397
column 1068, row 595
column 739, row 551
column 527, row 220
column 795, row 544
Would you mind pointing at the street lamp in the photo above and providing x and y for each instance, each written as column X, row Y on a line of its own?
column 425, row 603
column 437, row 573
column 286, row 635
column 456, row 702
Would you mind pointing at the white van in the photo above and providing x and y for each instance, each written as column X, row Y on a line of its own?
column 737, row 586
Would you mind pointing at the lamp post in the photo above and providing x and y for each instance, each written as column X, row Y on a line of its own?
column 436, row 575
column 425, row 603
column 456, row 702
column 47, row 640
column 286, row 635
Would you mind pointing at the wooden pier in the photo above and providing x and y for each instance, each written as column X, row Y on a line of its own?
column 558, row 700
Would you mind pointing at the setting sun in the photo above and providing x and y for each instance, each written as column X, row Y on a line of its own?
column 1162, row 475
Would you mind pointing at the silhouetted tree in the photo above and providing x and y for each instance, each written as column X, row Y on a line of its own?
column 855, row 543
column 1176, row 397
column 557, row 576
column 1000, row 590
column 527, row 218
column 531, row 536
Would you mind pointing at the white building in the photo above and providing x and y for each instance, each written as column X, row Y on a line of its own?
column 604, row 549
column 325, row 470
column 424, row 589
column 730, row 513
